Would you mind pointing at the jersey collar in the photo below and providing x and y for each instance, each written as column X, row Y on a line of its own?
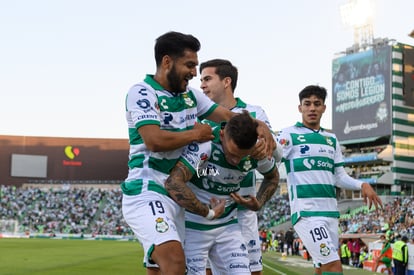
column 300, row 124
column 149, row 79
column 239, row 104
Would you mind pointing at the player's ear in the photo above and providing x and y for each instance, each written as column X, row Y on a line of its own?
column 300, row 108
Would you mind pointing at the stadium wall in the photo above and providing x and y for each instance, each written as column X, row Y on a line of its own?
column 69, row 160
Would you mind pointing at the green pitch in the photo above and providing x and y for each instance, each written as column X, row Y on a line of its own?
column 48, row 256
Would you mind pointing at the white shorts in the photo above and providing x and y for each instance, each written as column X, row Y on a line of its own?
column 223, row 246
column 155, row 219
column 320, row 237
column 250, row 231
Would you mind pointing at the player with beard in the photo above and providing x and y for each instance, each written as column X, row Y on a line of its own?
column 161, row 113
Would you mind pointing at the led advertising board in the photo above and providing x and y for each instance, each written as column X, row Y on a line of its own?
column 361, row 95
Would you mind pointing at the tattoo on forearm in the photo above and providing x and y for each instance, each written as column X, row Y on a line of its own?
column 268, row 187
column 176, row 186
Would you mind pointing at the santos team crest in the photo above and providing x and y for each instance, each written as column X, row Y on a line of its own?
column 161, row 225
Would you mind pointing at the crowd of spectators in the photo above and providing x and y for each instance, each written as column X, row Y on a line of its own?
column 98, row 211
column 64, row 210
column 397, row 216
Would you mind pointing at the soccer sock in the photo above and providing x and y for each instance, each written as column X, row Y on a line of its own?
column 332, row 273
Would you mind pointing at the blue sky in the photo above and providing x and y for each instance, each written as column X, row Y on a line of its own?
column 65, row 66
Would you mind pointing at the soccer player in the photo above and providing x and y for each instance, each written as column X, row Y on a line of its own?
column 218, row 82
column 161, row 113
column 214, row 171
column 314, row 166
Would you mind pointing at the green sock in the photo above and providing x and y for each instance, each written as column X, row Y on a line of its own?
column 332, row 273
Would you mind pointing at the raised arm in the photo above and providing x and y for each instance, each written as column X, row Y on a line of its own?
column 176, row 185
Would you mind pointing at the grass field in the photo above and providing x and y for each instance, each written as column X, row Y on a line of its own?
column 52, row 256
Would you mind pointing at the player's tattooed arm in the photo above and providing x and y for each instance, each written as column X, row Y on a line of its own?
column 268, row 186
column 177, row 188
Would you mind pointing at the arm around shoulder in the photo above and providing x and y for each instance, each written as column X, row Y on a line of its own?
column 158, row 140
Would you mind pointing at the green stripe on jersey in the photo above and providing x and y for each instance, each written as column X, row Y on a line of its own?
column 315, row 191
column 204, row 227
column 136, row 161
column 312, row 138
column 135, row 187
column 177, row 103
column 162, row 165
column 134, row 137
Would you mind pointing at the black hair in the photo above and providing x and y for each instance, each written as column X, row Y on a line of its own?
column 174, row 44
column 308, row 91
column 242, row 129
column 224, row 68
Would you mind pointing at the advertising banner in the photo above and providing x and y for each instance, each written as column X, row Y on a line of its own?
column 361, row 94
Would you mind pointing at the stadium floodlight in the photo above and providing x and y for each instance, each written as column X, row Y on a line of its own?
column 359, row 15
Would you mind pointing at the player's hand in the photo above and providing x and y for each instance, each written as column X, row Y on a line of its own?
column 218, row 205
column 264, row 132
column 203, row 132
column 259, row 150
column 250, row 202
column 370, row 197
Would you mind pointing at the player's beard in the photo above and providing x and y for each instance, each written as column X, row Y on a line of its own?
column 175, row 81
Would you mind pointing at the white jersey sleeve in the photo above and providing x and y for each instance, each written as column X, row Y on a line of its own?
column 205, row 106
column 141, row 106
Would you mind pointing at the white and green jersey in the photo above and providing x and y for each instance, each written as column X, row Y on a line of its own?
column 214, row 177
column 248, row 185
column 147, row 103
column 310, row 158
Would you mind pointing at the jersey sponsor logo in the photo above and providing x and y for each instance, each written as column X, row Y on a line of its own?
column 251, row 243
column 310, row 163
column 164, row 104
column 168, row 117
column 188, row 117
column 301, row 138
column 324, row 249
column 147, row 117
column 203, row 156
column 304, row 149
column 143, row 92
column 233, row 266
column 283, row 142
column 193, row 147
column 161, row 225
column 195, row 260
column 328, row 151
column 237, row 254
column 144, row 104
column 228, row 189
column 215, row 155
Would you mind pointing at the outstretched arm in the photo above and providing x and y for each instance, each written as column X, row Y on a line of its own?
column 345, row 181
column 176, row 186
